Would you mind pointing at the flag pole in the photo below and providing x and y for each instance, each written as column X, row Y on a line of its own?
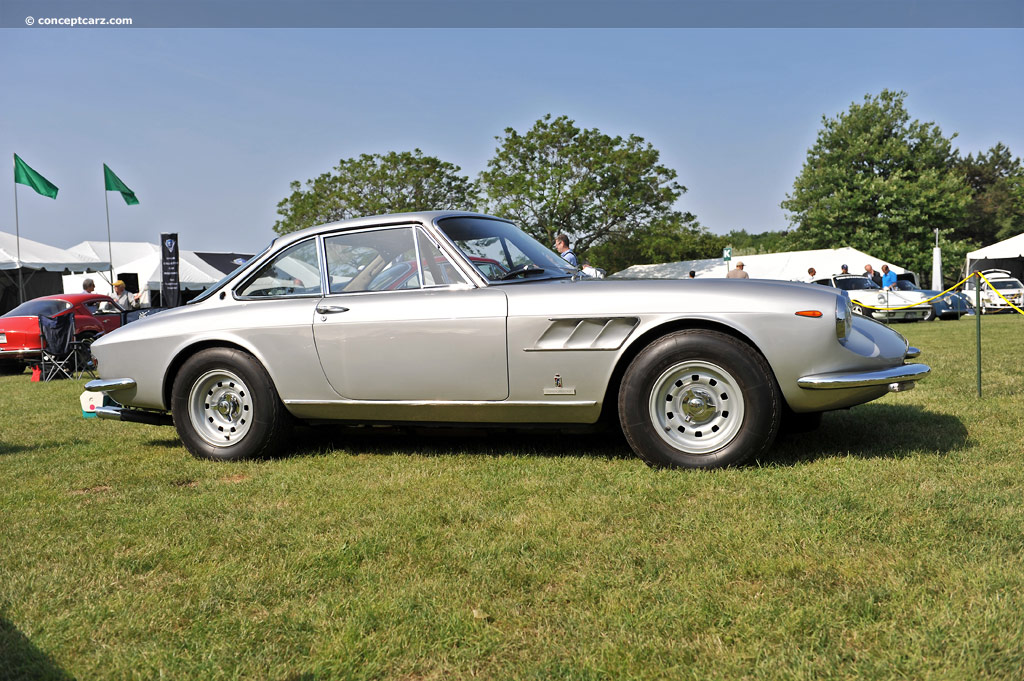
column 17, row 232
column 110, row 252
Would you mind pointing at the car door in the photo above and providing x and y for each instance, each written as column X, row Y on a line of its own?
column 436, row 338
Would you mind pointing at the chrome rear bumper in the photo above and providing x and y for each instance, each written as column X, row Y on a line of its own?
column 898, row 378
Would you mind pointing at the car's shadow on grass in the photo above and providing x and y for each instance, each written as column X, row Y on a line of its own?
column 20, row 659
column 427, row 442
column 868, row 431
column 872, row 431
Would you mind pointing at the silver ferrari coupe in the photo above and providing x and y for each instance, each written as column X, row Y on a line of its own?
column 458, row 318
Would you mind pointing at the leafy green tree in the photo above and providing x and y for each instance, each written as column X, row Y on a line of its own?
column 665, row 242
column 373, row 184
column 880, row 182
column 754, row 244
column 996, row 211
column 609, row 194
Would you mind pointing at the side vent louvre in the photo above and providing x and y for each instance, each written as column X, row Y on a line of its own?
column 590, row 333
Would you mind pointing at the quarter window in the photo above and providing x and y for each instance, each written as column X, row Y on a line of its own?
column 294, row 272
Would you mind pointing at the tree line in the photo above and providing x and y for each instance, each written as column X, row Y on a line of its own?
column 874, row 179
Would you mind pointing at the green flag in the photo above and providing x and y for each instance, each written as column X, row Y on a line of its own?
column 30, row 178
column 114, row 184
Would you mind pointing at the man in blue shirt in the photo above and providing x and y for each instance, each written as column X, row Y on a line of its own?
column 562, row 246
column 888, row 277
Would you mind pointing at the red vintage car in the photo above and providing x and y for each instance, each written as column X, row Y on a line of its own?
column 19, row 329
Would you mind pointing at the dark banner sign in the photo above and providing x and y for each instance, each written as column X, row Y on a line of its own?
column 170, row 292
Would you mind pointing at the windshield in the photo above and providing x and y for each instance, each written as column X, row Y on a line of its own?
column 496, row 241
column 855, row 284
column 39, row 308
column 1006, row 284
column 216, row 287
column 904, row 285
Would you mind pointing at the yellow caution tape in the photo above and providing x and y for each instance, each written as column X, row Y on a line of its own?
column 998, row 293
column 939, row 295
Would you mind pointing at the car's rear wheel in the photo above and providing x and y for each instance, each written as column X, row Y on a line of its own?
column 699, row 399
column 226, row 408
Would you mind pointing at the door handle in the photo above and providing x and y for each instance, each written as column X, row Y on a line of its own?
column 330, row 309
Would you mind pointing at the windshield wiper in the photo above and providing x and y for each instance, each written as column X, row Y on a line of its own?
column 523, row 271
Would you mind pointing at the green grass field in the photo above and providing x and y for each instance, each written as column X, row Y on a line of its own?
column 887, row 545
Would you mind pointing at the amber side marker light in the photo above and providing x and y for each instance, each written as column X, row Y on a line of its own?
column 808, row 313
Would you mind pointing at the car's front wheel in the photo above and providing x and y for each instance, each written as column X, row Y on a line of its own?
column 226, row 408
column 699, row 399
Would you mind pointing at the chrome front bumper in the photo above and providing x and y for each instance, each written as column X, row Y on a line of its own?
column 897, row 378
column 102, row 385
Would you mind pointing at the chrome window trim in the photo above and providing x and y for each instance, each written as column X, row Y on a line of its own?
column 414, row 226
column 250, row 274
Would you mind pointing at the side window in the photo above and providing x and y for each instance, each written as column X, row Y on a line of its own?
column 98, row 307
column 437, row 269
column 377, row 260
column 294, row 272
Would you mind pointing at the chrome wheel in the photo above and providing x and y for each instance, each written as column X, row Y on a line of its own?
column 697, row 407
column 220, row 408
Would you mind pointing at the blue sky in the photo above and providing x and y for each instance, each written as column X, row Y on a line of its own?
column 209, row 126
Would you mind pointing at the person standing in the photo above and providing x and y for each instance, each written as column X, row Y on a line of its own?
column 562, row 246
column 812, row 274
column 888, row 277
column 693, row 274
column 874, row 276
column 738, row 273
column 88, row 285
column 126, row 299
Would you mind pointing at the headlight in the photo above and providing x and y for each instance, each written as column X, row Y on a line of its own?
column 844, row 317
column 948, row 300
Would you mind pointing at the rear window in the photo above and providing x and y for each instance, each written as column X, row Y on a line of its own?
column 39, row 308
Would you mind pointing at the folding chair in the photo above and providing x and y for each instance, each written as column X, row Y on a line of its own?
column 58, row 358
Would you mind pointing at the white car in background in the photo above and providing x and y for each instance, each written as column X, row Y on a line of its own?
column 866, row 295
column 1009, row 287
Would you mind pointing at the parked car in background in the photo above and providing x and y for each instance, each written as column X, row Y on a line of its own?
column 1008, row 286
column 866, row 294
column 696, row 373
column 949, row 306
column 20, row 346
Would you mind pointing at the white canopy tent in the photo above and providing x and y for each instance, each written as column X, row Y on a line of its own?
column 791, row 266
column 143, row 259
column 1004, row 255
column 37, row 256
column 29, row 269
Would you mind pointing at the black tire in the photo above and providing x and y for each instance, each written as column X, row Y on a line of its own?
column 857, row 309
column 11, row 368
column 226, row 408
column 930, row 315
column 699, row 399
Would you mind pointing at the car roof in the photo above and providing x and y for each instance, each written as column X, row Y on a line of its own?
column 74, row 298
column 422, row 217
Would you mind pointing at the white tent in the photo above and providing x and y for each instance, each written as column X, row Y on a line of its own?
column 1004, row 255
column 790, row 266
column 37, row 256
column 143, row 259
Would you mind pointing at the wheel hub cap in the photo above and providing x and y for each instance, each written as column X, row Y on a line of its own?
column 697, row 407
column 220, row 407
